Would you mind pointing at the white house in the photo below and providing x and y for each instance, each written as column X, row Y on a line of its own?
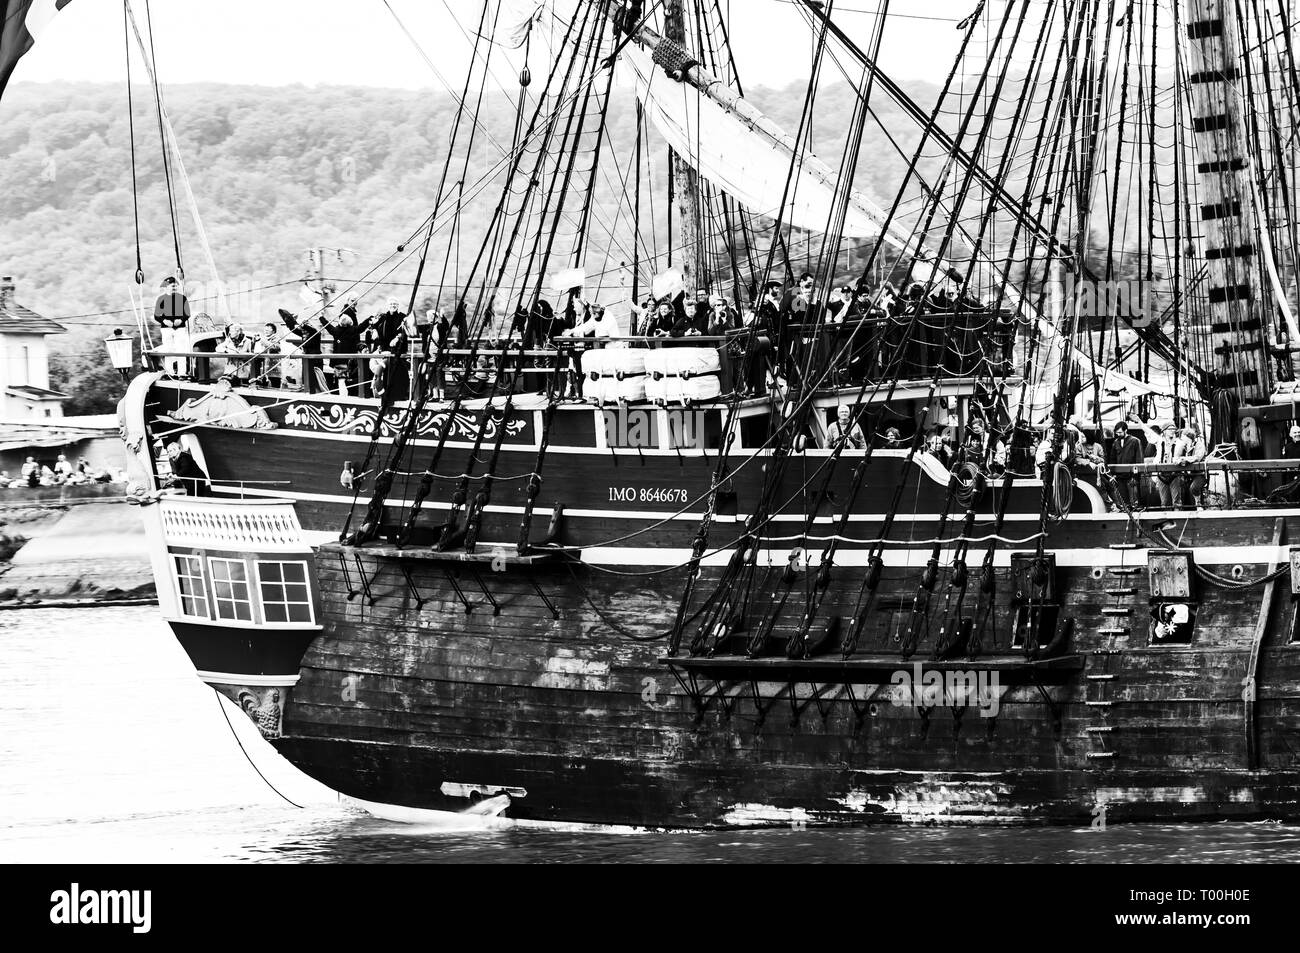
column 24, row 364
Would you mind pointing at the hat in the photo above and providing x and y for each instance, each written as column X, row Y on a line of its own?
column 1121, row 425
column 1295, row 431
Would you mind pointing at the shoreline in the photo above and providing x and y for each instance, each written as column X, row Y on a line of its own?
column 84, row 547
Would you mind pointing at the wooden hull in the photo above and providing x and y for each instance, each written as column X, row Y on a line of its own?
column 580, row 721
column 437, row 680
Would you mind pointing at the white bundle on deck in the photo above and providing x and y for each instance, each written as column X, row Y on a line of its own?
column 614, row 375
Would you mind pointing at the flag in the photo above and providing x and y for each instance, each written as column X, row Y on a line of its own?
column 514, row 22
column 23, row 22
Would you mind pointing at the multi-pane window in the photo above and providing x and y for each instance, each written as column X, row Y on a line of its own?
column 189, row 582
column 230, row 589
column 285, row 595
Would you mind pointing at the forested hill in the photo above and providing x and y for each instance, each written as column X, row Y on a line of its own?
column 276, row 170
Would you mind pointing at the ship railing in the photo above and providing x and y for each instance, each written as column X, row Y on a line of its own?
column 1223, row 480
column 354, row 374
column 958, row 344
column 245, row 525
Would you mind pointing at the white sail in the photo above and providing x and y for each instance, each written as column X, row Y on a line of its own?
column 744, row 163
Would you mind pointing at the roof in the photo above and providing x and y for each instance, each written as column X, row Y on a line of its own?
column 34, row 393
column 15, row 319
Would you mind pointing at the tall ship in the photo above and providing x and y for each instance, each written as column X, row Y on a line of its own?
column 723, row 488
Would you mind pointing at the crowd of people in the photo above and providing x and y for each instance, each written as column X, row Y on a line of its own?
column 865, row 331
column 1023, row 451
column 62, row 472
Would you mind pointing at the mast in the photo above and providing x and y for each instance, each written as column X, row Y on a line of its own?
column 685, row 180
column 1234, row 319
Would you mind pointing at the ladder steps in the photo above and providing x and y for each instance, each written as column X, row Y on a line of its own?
column 1116, row 610
column 1100, row 754
column 1099, row 729
column 1123, row 545
column 1114, row 630
column 1127, row 570
column 1100, row 678
column 1099, row 704
column 1121, row 592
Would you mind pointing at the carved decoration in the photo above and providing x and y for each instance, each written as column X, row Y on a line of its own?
column 264, row 706
column 341, row 419
column 222, row 407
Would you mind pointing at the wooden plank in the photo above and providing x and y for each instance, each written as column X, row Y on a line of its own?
column 1252, row 668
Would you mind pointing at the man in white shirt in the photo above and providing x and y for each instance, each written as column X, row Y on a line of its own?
column 599, row 324
column 1192, row 449
column 1169, row 486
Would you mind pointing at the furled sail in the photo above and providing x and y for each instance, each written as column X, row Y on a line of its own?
column 22, row 23
column 748, row 163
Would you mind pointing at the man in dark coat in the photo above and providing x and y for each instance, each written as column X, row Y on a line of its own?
column 701, row 311
column 574, row 313
column 545, row 324
column 1125, row 449
column 309, row 342
column 185, row 470
column 348, row 331
column 172, row 309
column 1291, row 478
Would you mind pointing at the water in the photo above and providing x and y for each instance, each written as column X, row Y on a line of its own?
column 113, row 751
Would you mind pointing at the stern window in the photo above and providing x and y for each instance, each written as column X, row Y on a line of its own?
column 189, row 584
column 285, row 597
column 230, row 589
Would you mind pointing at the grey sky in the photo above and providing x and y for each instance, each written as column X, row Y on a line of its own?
column 358, row 42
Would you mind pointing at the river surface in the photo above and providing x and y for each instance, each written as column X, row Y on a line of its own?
column 112, row 751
